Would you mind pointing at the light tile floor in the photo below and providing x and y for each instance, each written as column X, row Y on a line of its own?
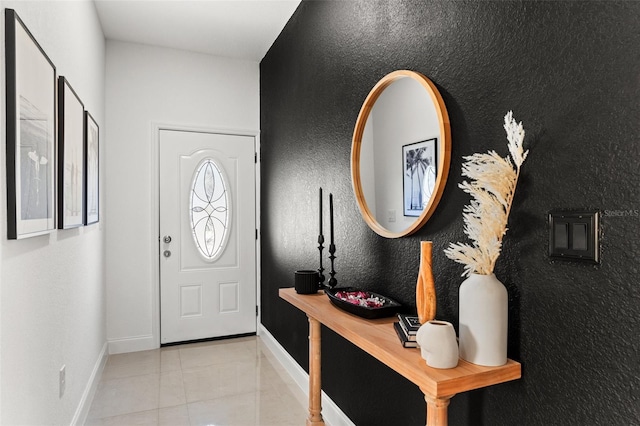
column 227, row 382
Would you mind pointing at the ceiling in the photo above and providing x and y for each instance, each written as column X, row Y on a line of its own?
column 243, row 29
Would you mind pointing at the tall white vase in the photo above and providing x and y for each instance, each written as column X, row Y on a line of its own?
column 483, row 323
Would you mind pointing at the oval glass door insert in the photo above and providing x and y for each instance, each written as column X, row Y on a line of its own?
column 209, row 209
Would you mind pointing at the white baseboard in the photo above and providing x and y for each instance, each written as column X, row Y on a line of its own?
column 132, row 344
column 80, row 416
column 331, row 413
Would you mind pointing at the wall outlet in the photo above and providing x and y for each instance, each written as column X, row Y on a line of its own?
column 63, row 379
column 392, row 215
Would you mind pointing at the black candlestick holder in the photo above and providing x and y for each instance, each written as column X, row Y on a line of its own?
column 332, row 281
column 321, row 277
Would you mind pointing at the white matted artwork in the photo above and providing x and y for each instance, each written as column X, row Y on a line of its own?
column 70, row 157
column 419, row 175
column 31, row 130
column 91, row 167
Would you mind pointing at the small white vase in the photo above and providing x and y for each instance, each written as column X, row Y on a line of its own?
column 438, row 345
column 483, row 314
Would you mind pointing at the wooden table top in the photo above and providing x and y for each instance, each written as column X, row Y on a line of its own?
column 378, row 338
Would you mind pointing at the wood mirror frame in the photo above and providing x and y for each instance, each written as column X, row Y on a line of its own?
column 443, row 153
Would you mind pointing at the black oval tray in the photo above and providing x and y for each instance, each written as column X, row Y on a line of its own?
column 389, row 308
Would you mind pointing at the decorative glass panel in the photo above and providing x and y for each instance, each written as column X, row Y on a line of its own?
column 209, row 209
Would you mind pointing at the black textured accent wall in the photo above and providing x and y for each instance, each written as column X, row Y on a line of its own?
column 571, row 72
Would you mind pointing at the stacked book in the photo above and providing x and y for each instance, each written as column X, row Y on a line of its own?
column 406, row 329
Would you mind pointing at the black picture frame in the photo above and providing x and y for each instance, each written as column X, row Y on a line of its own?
column 71, row 172
column 92, row 168
column 31, row 133
column 419, row 174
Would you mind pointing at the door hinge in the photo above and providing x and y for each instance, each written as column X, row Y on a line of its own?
column 256, row 157
column 256, row 310
column 256, row 234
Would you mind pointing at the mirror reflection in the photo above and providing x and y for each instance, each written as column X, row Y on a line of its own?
column 400, row 154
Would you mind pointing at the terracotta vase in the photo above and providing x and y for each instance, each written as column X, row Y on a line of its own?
column 425, row 288
column 483, row 315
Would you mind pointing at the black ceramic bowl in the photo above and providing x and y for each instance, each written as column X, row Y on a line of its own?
column 389, row 306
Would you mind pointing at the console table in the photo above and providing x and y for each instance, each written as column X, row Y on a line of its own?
column 378, row 338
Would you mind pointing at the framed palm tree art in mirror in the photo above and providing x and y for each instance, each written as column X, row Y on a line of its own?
column 419, row 175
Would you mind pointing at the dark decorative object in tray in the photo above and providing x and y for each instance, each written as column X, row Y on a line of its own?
column 362, row 303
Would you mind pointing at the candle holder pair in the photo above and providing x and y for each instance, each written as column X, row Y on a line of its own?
column 310, row 281
column 332, row 251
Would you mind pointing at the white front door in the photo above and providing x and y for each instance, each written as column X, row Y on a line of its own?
column 207, row 235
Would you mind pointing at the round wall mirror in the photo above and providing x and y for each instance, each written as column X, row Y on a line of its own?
column 400, row 153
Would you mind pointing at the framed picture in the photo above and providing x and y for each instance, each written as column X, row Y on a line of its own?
column 70, row 157
column 31, row 133
column 91, row 160
column 419, row 175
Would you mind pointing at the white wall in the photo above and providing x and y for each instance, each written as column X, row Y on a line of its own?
column 146, row 84
column 52, row 309
column 367, row 168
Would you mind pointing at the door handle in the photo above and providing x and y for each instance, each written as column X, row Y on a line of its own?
column 166, row 253
column 167, row 239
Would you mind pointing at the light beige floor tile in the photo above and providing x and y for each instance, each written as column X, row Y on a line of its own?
column 131, row 364
column 265, row 353
column 170, row 359
column 174, row 416
column 134, row 419
column 130, row 370
column 171, row 389
column 214, row 353
column 231, row 410
column 139, row 357
column 263, row 349
column 126, row 395
column 232, row 382
column 272, row 370
column 241, row 377
column 263, row 408
column 250, row 343
column 200, row 383
column 280, row 407
column 293, row 393
column 220, row 380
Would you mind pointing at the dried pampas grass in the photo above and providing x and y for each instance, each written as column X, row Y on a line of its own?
column 492, row 189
